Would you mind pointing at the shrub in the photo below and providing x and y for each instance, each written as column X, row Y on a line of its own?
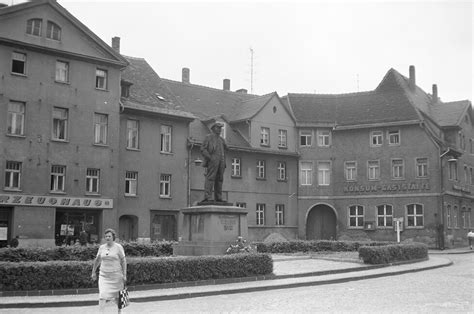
column 82, row 253
column 313, row 246
column 393, row 253
column 151, row 270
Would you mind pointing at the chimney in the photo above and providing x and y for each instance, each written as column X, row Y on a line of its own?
column 435, row 94
column 226, row 84
column 185, row 75
column 412, row 78
column 116, row 43
column 242, row 91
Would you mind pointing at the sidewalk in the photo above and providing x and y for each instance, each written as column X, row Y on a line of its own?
column 289, row 271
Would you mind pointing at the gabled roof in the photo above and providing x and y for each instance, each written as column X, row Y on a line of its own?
column 249, row 108
column 114, row 56
column 148, row 92
column 450, row 113
column 206, row 102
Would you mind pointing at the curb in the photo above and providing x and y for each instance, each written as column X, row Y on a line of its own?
column 186, row 295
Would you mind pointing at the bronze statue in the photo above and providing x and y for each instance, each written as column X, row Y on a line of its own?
column 213, row 150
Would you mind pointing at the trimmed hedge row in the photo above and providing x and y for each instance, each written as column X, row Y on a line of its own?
column 393, row 253
column 76, row 274
column 81, row 253
column 314, row 246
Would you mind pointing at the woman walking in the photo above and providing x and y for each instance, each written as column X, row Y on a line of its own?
column 113, row 269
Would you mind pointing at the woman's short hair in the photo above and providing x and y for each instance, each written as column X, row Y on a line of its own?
column 110, row 230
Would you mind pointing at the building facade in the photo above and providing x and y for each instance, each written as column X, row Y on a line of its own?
column 374, row 158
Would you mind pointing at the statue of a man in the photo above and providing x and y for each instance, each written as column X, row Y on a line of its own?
column 213, row 150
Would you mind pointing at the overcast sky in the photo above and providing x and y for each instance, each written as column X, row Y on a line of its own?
column 298, row 47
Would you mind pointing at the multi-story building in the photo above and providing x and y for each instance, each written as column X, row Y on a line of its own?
column 59, row 104
column 153, row 156
column 262, row 160
column 396, row 153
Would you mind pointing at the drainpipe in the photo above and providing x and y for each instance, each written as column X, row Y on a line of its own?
column 440, row 229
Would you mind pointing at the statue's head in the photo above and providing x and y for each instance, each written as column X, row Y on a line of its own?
column 216, row 128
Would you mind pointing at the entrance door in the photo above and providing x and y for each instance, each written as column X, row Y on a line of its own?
column 321, row 223
column 128, row 228
column 163, row 226
column 5, row 226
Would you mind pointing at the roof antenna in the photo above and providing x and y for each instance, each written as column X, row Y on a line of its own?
column 251, row 70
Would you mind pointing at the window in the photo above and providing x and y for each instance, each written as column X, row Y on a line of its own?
column 350, row 170
column 165, row 185
column 421, row 167
column 100, row 128
column 132, row 134
column 466, row 174
column 471, row 175
column 455, row 217
column 398, row 171
column 260, row 214
column 279, row 214
column 449, row 214
column 58, row 178
column 324, row 138
column 19, row 63
column 324, row 173
column 265, row 136
column 53, row 31
column 131, row 180
column 281, row 168
column 125, row 90
column 62, row 71
column 60, row 118
column 453, row 170
column 92, row 181
column 376, row 138
column 464, row 215
column 356, row 216
column 384, row 216
column 33, row 27
column 260, row 169
column 241, row 205
column 236, row 167
column 12, row 175
column 166, row 138
column 305, row 138
column 282, row 138
column 16, row 118
column 101, row 79
column 415, row 215
column 394, row 137
column 373, row 167
column 306, row 173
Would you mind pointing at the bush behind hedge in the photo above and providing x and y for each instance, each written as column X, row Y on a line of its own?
column 82, row 253
column 393, row 253
column 314, row 246
column 76, row 274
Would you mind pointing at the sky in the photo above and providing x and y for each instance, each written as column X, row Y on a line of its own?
column 323, row 47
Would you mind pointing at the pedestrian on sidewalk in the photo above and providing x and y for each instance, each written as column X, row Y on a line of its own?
column 112, row 270
column 470, row 238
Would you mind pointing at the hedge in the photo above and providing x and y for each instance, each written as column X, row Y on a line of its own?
column 82, row 253
column 76, row 274
column 314, row 246
column 393, row 253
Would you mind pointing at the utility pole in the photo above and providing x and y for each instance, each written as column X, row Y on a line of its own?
column 251, row 70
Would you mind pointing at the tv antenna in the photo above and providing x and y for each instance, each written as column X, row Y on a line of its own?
column 251, row 70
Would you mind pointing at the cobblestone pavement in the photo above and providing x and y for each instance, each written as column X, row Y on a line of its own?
column 441, row 290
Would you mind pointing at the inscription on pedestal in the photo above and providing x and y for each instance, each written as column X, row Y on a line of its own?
column 228, row 222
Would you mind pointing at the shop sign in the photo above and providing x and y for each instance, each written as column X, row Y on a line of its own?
column 56, row 201
column 396, row 187
column 3, row 233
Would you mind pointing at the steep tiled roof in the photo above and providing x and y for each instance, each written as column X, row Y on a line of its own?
column 148, row 91
column 449, row 113
column 249, row 108
column 206, row 102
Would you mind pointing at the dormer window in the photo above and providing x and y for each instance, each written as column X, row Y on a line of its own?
column 53, row 31
column 33, row 27
column 125, row 88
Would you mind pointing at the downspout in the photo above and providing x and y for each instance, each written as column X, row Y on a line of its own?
column 188, row 165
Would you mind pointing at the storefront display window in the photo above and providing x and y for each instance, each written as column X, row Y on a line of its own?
column 76, row 227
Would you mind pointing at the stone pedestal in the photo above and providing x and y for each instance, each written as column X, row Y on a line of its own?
column 210, row 229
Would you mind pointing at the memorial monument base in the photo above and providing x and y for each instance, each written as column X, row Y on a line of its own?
column 210, row 229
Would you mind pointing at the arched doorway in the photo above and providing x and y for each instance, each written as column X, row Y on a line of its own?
column 128, row 228
column 321, row 223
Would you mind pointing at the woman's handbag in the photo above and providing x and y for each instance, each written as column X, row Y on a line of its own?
column 123, row 299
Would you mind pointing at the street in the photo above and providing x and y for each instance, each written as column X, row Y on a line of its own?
column 441, row 290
